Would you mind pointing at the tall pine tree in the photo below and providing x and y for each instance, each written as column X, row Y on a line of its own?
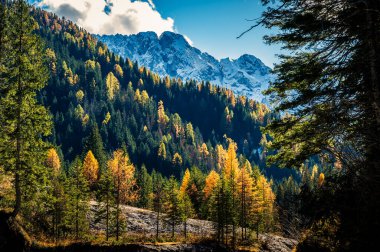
column 24, row 121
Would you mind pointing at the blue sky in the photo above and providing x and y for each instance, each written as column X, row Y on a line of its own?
column 212, row 25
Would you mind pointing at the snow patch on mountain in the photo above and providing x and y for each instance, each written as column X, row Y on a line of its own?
column 171, row 54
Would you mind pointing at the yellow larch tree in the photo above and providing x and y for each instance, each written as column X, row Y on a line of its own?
column 123, row 173
column 185, row 182
column 112, row 84
column 211, row 184
column 263, row 206
column 90, row 167
column 244, row 196
column 107, row 118
column 52, row 161
column 220, row 157
column 144, row 97
column 177, row 160
column 79, row 95
column 118, row 70
column 163, row 119
column 137, row 96
column 321, row 179
column 231, row 164
column 203, row 151
column 162, row 151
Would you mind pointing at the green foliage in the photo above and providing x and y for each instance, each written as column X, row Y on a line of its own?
column 24, row 121
column 77, row 194
column 331, row 83
column 173, row 204
column 145, row 184
column 94, row 143
column 105, row 209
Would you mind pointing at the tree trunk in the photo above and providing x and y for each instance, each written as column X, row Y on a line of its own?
column 185, row 224
column 107, row 217
column 117, row 209
column 158, row 218
column 173, row 228
column 17, row 206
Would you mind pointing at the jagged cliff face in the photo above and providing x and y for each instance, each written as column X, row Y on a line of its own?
column 170, row 54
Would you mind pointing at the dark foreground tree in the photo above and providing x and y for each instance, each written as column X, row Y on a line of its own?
column 331, row 85
column 23, row 121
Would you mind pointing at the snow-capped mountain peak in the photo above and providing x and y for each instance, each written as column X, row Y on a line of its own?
column 170, row 54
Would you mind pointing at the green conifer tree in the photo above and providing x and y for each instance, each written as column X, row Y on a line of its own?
column 23, row 121
column 144, row 182
column 77, row 193
column 106, row 202
column 172, row 202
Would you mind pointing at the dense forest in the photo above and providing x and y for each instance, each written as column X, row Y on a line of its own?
column 85, row 132
column 96, row 96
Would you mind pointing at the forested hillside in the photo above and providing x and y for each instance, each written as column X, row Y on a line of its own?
column 99, row 99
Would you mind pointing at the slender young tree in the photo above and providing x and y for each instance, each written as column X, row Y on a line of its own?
column 77, row 192
column 91, row 168
column 187, row 206
column 124, row 182
column 144, row 182
column 54, row 164
column 105, row 196
column 172, row 202
column 158, row 193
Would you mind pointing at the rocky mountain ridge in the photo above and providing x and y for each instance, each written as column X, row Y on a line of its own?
column 171, row 54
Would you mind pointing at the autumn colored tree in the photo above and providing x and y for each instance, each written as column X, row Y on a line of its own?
column 245, row 196
column 162, row 151
column 177, row 161
column 90, row 168
column 210, row 191
column 124, row 181
column 112, row 84
column 118, row 70
column 185, row 182
column 53, row 162
column 230, row 173
column 263, row 202
column 163, row 119
column 190, row 133
column 187, row 206
column 204, row 153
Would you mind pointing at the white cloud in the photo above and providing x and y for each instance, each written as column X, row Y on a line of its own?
column 111, row 16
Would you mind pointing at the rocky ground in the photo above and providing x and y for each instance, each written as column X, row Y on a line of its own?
column 271, row 243
column 143, row 222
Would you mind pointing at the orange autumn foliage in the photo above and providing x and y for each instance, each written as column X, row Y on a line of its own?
column 185, row 182
column 52, row 161
column 123, row 173
column 211, row 183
